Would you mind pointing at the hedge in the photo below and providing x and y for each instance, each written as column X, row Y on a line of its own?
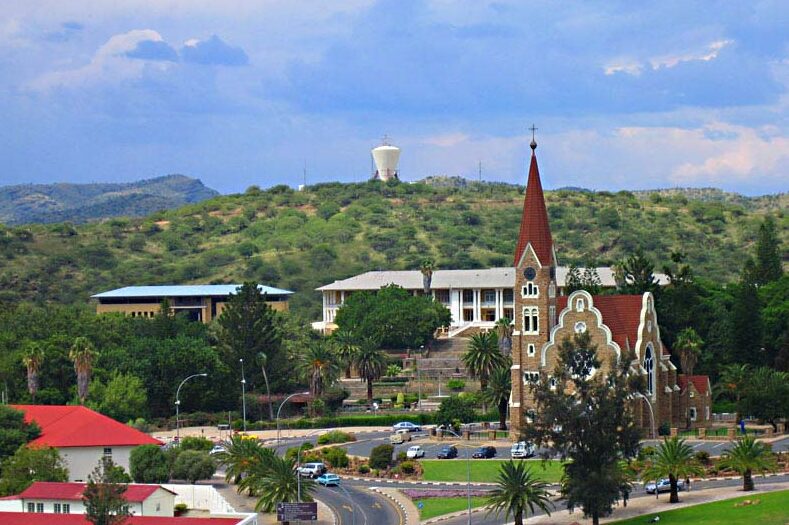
column 381, row 420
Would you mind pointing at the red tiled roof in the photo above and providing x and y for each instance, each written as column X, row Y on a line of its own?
column 621, row 314
column 77, row 426
column 534, row 222
column 701, row 383
column 73, row 491
column 35, row 518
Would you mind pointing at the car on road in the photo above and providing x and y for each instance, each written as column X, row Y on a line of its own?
column 401, row 436
column 328, row 479
column 415, row 452
column 522, row 449
column 311, row 470
column 406, row 425
column 217, row 449
column 484, row 453
column 663, row 485
column 447, row 452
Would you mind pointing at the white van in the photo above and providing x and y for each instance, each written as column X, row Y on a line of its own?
column 522, row 449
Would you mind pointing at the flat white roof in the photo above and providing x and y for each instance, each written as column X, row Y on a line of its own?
column 189, row 290
column 445, row 279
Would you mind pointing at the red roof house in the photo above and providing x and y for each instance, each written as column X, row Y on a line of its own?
column 48, row 490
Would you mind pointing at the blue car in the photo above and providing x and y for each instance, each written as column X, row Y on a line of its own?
column 329, row 479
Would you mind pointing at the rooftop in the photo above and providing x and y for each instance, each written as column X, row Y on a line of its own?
column 77, row 426
column 189, row 290
column 700, row 383
column 73, row 491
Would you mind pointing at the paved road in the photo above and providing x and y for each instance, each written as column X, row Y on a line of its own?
column 357, row 505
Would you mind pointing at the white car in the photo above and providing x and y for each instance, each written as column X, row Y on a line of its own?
column 522, row 449
column 311, row 470
column 415, row 452
column 406, row 425
column 217, row 449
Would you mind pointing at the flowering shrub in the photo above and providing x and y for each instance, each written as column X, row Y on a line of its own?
column 443, row 493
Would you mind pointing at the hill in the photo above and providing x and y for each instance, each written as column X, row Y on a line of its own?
column 302, row 239
column 49, row 203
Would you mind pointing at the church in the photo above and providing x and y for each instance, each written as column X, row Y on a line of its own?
column 620, row 326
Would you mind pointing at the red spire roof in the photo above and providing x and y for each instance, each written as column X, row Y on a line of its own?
column 534, row 223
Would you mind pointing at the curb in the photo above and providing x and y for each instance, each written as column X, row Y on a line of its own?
column 393, row 500
column 436, row 483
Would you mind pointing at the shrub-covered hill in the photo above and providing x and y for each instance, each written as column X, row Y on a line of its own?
column 303, row 239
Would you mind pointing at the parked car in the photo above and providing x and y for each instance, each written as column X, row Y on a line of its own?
column 484, row 453
column 406, row 425
column 328, row 479
column 217, row 449
column 448, row 452
column 311, row 470
column 522, row 449
column 663, row 485
column 415, row 452
column 401, row 436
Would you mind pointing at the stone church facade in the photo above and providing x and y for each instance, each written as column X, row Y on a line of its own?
column 619, row 326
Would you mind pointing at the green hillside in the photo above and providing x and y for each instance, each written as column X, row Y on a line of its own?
column 49, row 203
column 301, row 240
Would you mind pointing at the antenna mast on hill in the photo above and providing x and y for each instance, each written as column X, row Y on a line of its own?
column 305, row 173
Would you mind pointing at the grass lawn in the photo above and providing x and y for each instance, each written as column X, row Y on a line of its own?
column 433, row 507
column 483, row 470
column 774, row 508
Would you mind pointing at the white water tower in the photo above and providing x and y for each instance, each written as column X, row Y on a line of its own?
column 386, row 158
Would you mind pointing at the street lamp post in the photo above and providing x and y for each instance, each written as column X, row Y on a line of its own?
column 468, row 477
column 243, row 395
column 280, row 409
column 651, row 413
column 178, row 405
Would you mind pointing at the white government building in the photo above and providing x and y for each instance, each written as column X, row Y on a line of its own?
column 475, row 298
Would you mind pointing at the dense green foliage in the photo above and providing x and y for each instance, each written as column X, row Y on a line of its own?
column 674, row 459
column 518, row 492
column 148, row 464
column 193, row 465
column 103, row 498
column 14, row 431
column 746, row 457
column 455, row 410
column 381, row 456
column 27, row 465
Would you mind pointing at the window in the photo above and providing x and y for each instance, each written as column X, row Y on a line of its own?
column 468, row 296
column 40, row 507
column 692, row 394
column 107, row 452
column 126, row 509
column 579, row 305
column 649, row 366
column 580, row 327
column 530, row 350
column 530, row 290
column 649, row 326
column 508, row 295
column 31, row 507
column 552, row 290
column 553, row 383
column 531, row 320
column 531, row 378
column 693, row 413
column 56, row 508
column 66, row 508
column 489, row 296
column 552, row 315
column 707, row 413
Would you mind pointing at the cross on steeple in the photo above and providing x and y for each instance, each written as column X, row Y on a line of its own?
column 533, row 142
column 385, row 140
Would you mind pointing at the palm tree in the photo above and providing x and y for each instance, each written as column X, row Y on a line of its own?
column 346, row 346
column 504, row 330
column 673, row 460
column 83, row 354
column 733, row 380
column 319, row 366
column 482, row 357
column 370, row 362
column 747, row 456
column 263, row 360
column 498, row 392
column 33, row 358
column 279, row 482
column 688, row 346
column 517, row 492
column 242, row 456
column 427, row 268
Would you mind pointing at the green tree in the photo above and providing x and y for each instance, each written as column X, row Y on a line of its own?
column 688, row 345
column 28, row 465
column 746, row 457
column 123, row 398
column 498, row 391
column 381, row 456
column 674, row 459
column 768, row 253
column 241, row 456
column 504, row 329
column 482, row 357
column 319, row 366
column 198, row 443
column 193, row 465
column 766, row 395
column 588, row 280
column 278, row 483
column 103, row 498
column 83, row 354
column 518, row 492
column 581, row 414
column 247, row 327
column 453, row 410
column 733, row 381
column 14, row 431
column 745, row 330
column 32, row 358
column 370, row 362
column 635, row 275
column 148, row 464
column 427, row 267
column 346, row 346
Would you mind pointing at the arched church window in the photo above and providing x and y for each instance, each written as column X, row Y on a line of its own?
column 579, row 305
column 530, row 290
column 531, row 320
column 649, row 366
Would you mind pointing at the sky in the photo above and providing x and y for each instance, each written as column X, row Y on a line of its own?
column 625, row 95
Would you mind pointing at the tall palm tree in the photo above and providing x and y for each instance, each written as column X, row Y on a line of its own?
column 733, row 380
column 263, row 360
column 427, row 268
column 482, row 357
column 518, row 492
column 319, row 366
column 370, row 362
column 83, row 354
column 747, row 456
column 498, row 392
column 688, row 346
column 279, row 482
column 504, row 329
column 346, row 346
column 33, row 358
column 673, row 460
column 242, row 456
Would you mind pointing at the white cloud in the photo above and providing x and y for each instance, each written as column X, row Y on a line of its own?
column 108, row 64
column 709, row 52
column 631, row 67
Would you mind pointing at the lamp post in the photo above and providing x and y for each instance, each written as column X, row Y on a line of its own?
column 178, row 405
column 468, row 476
column 651, row 413
column 280, row 409
column 243, row 395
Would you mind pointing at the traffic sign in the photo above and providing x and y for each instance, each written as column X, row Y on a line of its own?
column 297, row 511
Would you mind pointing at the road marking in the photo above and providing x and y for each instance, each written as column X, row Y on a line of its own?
column 348, row 508
column 718, row 445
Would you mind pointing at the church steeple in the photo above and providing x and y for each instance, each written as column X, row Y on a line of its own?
column 534, row 222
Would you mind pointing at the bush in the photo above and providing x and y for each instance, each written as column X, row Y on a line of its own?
column 196, row 443
column 335, row 436
column 407, row 467
column 180, row 508
column 703, row 457
column 193, row 465
column 401, row 456
column 336, row 457
column 363, row 469
column 664, row 429
column 456, row 384
column 293, row 452
column 381, row 456
column 646, row 452
column 148, row 464
column 454, row 409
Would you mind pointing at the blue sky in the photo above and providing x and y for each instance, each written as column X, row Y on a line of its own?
column 626, row 95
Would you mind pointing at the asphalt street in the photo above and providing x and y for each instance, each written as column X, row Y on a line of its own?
column 357, row 505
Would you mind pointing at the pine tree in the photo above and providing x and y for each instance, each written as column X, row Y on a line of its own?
column 745, row 328
column 104, row 499
column 768, row 257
